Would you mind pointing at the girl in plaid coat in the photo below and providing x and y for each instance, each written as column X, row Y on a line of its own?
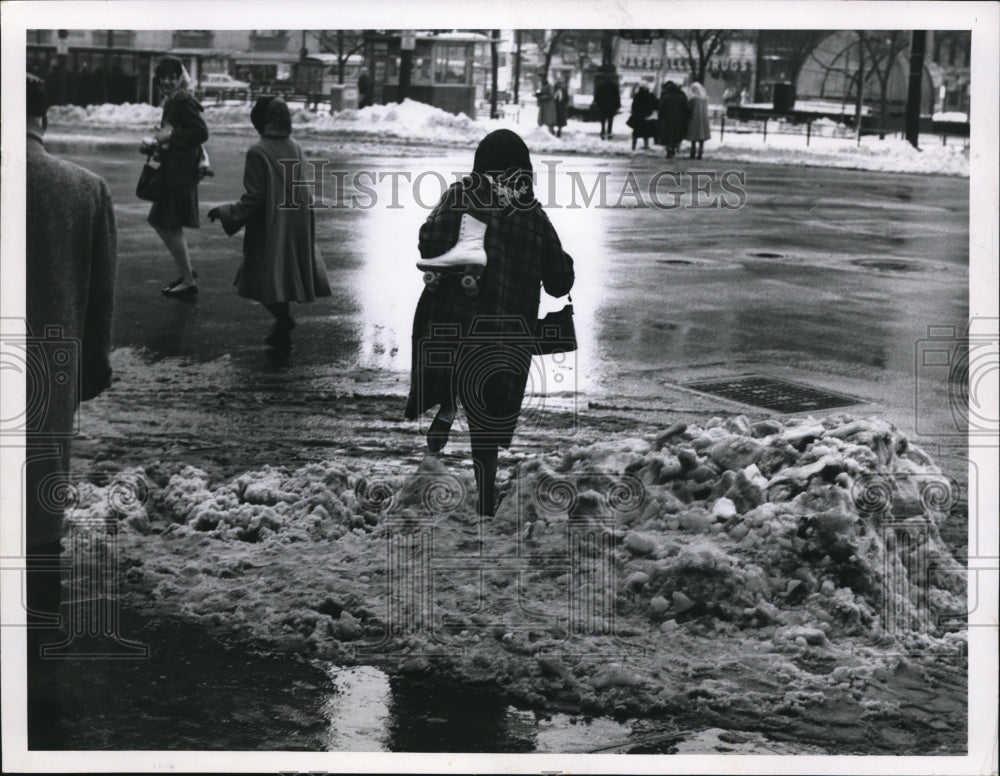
column 477, row 350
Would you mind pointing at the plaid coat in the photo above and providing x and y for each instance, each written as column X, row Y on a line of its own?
column 479, row 349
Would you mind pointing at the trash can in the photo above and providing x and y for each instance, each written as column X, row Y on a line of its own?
column 784, row 97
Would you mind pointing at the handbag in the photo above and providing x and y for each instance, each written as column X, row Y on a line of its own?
column 555, row 333
column 204, row 165
column 150, row 186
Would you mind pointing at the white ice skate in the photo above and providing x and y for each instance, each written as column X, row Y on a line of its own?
column 467, row 258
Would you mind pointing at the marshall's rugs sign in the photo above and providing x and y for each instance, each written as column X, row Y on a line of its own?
column 715, row 65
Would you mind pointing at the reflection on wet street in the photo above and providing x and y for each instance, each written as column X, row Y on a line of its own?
column 192, row 693
column 834, row 275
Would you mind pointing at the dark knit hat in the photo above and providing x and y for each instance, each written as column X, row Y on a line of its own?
column 34, row 96
column 271, row 110
column 501, row 151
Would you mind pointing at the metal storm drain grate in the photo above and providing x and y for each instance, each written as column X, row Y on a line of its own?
column 773, row 394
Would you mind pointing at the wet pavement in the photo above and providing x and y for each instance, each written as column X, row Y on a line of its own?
column 830, row 277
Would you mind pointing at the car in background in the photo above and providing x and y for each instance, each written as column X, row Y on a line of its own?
column 224, row 85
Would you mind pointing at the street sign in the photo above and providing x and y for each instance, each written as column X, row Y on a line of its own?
column 408, row 40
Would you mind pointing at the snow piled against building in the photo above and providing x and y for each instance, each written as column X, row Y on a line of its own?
column 415, row 123
column 754, row 550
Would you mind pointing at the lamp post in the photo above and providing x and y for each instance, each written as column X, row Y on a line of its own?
column 917, row 46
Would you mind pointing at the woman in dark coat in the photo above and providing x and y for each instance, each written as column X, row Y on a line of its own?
column 674, row 115
column 560, row 99
column 280, row 261
column 478, row 349
column 643, row 106
column 178, row 147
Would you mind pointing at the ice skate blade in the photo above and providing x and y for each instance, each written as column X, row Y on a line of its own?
column 451, row 262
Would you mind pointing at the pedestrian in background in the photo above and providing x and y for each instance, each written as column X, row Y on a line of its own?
column 698, row 130
column 280, row 261
column 364, row 88
column 477, row 350
column 177, row 145
column 546, row 105
column 674, row 114
column 560, row 99
column 643, row 106
column 607, row 99
column 70, row 261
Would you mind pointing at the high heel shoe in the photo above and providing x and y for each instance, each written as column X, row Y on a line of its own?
column 177, row 282
column 182, row 290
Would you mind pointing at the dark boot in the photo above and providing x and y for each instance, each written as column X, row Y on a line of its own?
column 280, row 335
column 437, row 434
column 484, row 463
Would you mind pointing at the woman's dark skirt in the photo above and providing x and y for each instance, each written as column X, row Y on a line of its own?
column 178, row 207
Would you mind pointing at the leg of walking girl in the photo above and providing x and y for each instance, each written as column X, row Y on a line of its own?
column 173, row 238
column 484, row 463
column 280, row 335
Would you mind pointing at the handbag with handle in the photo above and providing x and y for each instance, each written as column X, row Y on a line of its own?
column 150, row 186
column 555, row 333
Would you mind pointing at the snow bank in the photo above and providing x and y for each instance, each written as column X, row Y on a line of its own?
column 413, row 122
column 125, row 115
column 748, row 548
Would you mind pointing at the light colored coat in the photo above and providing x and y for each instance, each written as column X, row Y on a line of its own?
column 280, row 260
column 70, row 263
column 698, row 127
column 546, row 106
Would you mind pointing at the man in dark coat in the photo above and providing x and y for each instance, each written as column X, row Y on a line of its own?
column 478, row 349
column 364, row 88
column 607, row 99
column 674, row 115
column 70, row 260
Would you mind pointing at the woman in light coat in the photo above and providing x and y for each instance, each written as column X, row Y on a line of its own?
column 698, row 130
column 280, row 261
column 546, row 106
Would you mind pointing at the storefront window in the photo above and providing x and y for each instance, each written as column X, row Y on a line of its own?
column 452, row 65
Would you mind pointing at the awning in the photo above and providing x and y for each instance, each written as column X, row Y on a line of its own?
column 264, row 57
column 200, row 52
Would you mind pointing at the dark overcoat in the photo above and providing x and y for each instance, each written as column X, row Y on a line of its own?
column 280, row 259
column 180, row 158
column 674, row 114
column 643, row 105
column 479, row 348
column 560, row 99
column 607, row 97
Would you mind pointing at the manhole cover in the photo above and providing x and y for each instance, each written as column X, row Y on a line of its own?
column 766, row 255
column 773, row 394
column 674, row 261
column 887, row 265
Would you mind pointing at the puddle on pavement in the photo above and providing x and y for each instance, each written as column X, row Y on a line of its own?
column 195, row 692
column 887, row 265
